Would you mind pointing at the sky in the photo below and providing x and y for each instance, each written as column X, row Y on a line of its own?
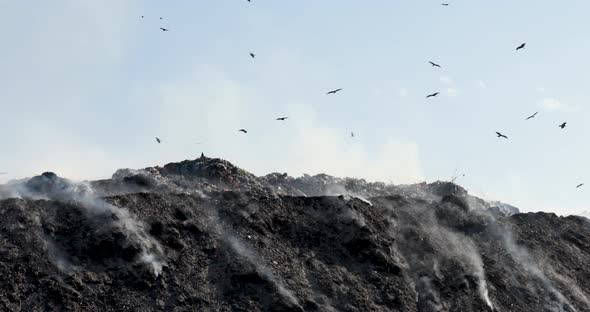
column 87, row 85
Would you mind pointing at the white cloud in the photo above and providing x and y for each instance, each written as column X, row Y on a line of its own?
column 65, row 153
column 213, row 106
column 552, row 104
column 482, row 84
column 61, row 54
column 319, row 149
column 453, row 91
column 446, row 80
column 376, row 91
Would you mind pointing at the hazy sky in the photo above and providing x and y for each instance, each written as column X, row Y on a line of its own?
column 86, row 86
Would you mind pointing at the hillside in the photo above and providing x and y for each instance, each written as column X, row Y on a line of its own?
column 205, row 235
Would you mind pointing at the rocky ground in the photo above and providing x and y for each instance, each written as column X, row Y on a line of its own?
column 205, row 235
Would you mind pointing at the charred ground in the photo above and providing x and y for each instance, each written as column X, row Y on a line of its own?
column 204, row 235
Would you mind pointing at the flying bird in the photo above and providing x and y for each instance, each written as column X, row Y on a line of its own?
column 434, row 64
column 532, row 116
column 158, row 140
column 563, row 125
column 520, row 46
column 142, row 16
column 500, row 135
column 352, row 134
column 433, row 94
column 580, row 185
column 164, row 29
column 252, row 55
column 282, row 118
column 160, row 18
column 334, row 91
column 243, row 130
column 445, row 4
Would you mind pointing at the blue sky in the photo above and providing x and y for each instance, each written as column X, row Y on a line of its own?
column 87, row 85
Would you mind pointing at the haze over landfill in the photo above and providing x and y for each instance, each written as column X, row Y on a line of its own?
column 87, row 85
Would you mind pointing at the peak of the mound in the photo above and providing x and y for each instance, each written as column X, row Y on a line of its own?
column 206, row 175
column 214, row 169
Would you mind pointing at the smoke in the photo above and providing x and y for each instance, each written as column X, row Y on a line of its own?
column 349, row 213
column 243, row 250
column 248, row 253
column 569, row 284
column 51, row 187
column 458, row 245
column 424, row 242
column 426, row 295
column 521, row 256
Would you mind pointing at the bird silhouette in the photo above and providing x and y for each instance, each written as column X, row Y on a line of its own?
column 160, row 18
column 252, row 55
column 164, row 29
column 434, row 64
column 334, row 91
column 520, row 46
column 142, row 16
column 433, row 94
column 352, row 134
column 580, row 185
column 563, row 125
column 500, row 135
column 158, row 140
column 532, row 116
column 445, row 4
column 282, row 118
column 243, row 130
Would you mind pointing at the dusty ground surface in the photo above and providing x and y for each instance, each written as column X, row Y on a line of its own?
column 204, row 235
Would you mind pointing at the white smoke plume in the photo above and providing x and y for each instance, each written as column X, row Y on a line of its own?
column 82, row 193
column 241, row 248
column 569, row 284
column 458, row 245
column 521, row 256
column 453, row 245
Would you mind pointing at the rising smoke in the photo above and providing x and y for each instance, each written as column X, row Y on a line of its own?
column 51, row 187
